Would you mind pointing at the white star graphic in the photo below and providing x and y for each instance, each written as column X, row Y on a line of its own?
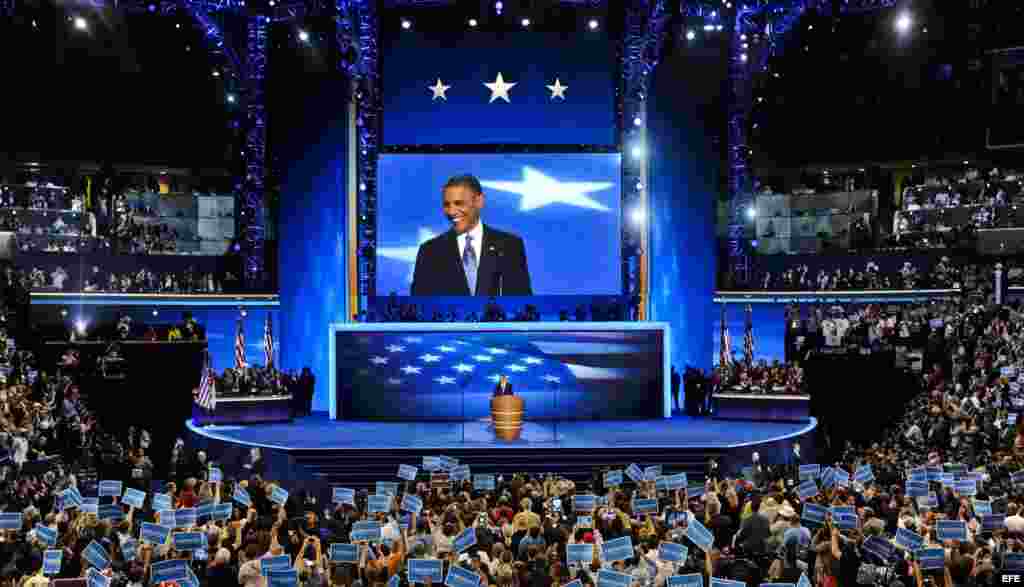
column 379, row 360
column 463, row 368
column 516, row 368
column 499, row 89
column 551, row 378
column 394, row 348
column 539, row 190
column 412, row 339
column 394, row 381
column 557, row 90
column 407, row 254
column 410, row 370
column 446, row 349
column 439, row 89
column 495, row 351
column 429, row 358
column 532, row 361
column 483, row 358
column 460, row 342
column 445, row 380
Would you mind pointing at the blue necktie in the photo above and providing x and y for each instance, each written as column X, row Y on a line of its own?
column 469, row 264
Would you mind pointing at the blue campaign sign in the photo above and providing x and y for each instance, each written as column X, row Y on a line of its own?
column 690, row 580
column 699, row 535
column 169, row 570
column 880, row 547
column 1013, row 561
column 344, row 553
column 90, row 505
column 645, row 506
column 393, row 581
column 283, row 578
column 841, row 477
column 934, row 473
column 222, row 511
column 951, row 530
column 206, row 511
column 111, row 511
column 96, row 555
column 612, row 478
column 661, row 483
column 407, row 472
column 162, row 501
column 483, row 482
column 584, row 502
column 717, row 582
column 421, row 569
column 94, row 578
column 46, row 535
column 134, row 498
column 864, row 475
column 982, row 508
column 812, row 471
column 580, row 553
column 617, row 549
column 366, row 531
column 378, row 504
column 51, row 561
column 155, row 533
column 695, row 491
column 186, row 541
column 242, row 496
column 635, row 473
column 947, row 479
column 110, row 489
column 845, row 522
column 651, row 473
column 607, row 578
column 917, row 488
column 460, row 577
column 966, row 487
column 672, row 552
column 448, row 463
column 386, row 488
column 186, row 517
column 412, row 503
column 216, row 475
column 956, row 468
column 574, row 583
column 931, row 558
column 843, row 510
column 11, row 520
column 465, row 540
column 807, row 489
column 585, row 521
column 908, row 539
column 280, row 562
column 166, row 518
column 993, row 522
column 814, row 513
column 919, row 472
column 130, row 549
column 343, row 495
column 432, row 464
column 460, row 473
column 677, row 481
column 279, row 495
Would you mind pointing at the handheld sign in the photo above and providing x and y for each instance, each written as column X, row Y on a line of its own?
column 168, row 570
column 864, row 475
column 635, row 473
column 807, row 489
column 111, row 511
column 931, row 558
column 280, row 562
column 617, row 549
column 386, row 488
column 661, row 483
column 1013, row 561
column 155, row 533
column 162, row 501
column 880, row 547
column 967, row 487
column 96, row 555
column 460, row 577
column 110, row 489
column 951, row 530
column 573, row 583
column 465, row 540
column 580, row 553
column 95, row 578
column 134, row 498
column 645, row 506
column 690, row 580
column 407, row 472
column 242, row 496
column 185, row 517
column 366, row 531
column 448, row 463
column 46, row 535
column 809, row 472
column 983, row 508
column 216, row 475
column 651, row 473
column 483, row 482
column 699, row 535
column 934, row 473
column 90, row 505
column 583, row 503
column 343, row 495
column 607, row 578
column 917, row 488
column 222, row 511
column 432, row 464
column 814, row 513
column 188, row 541
column 612, row 478
column 412, row 503
column 460, row 473
column 344, row 553
column 51, row 562
column 279, row 495
column 585, row 521
column 993, row 522
column 130, row 549
column 11, row 520
column 421, row 569
column 378, row 504
column 845, row 521
column 672, row 552
column 716, row 582
column 908, row 539
column 167, row 518
column 283, row 578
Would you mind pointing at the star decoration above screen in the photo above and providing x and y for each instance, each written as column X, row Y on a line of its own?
column 499, row 89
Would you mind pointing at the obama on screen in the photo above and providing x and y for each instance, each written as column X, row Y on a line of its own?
column 471, row 258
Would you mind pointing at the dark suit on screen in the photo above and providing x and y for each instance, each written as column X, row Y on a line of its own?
column 499, row 390
column 439, row 269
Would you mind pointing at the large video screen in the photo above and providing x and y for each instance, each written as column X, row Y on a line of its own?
column 446, row 372
column 565, row 209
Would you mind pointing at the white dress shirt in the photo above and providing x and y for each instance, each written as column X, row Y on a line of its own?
column 477, row 232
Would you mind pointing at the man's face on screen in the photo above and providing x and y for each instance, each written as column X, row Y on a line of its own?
column 462, row 208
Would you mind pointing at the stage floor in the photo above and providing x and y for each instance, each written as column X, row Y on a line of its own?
column 319, row 432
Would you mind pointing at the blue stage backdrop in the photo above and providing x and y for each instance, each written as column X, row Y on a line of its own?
column 769, row 326
column 581, row 113
column 448, row 372
column 684, row 112
column 311, row 131
column 564, row 206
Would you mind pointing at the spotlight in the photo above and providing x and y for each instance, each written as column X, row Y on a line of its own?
column 743, row 37
column 639, row 186
column 904, row 22
column 80, row 327
column 525, row 22
column 499, row 6
column 637, row 121
column 406, row 24
column 637, row 216
column 743, row 57
column 156, row 313
column 709, row 27
column 64, row 313
column 231, row 98
column 473, row 22
column 593, row 24
column 216, row 73
column 81, row 24
column 244, row 313
column 690, row 35
column 751, row 213
column 303, row 36
column 637, row 151
column 271, row 3
column 967, row 162
column 719, row 28
column 362, row 187
column 714, row 14
column 177, row 25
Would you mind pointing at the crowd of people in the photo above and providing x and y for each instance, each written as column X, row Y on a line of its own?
column 855, row 276
column 761, row 378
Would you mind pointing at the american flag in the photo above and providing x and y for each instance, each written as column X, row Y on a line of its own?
column 725, row 346
column 748, row 337
column 268, row 344
column 207, row 397
column 240, row 346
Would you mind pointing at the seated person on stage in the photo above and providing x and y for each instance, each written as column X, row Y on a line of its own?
column 503, row 387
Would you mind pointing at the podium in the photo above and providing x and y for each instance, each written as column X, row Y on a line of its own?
column 507, row 415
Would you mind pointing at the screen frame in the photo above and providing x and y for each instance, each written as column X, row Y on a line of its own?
column 411, row 327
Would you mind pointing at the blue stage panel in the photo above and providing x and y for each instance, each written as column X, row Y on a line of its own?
column 447, row 371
